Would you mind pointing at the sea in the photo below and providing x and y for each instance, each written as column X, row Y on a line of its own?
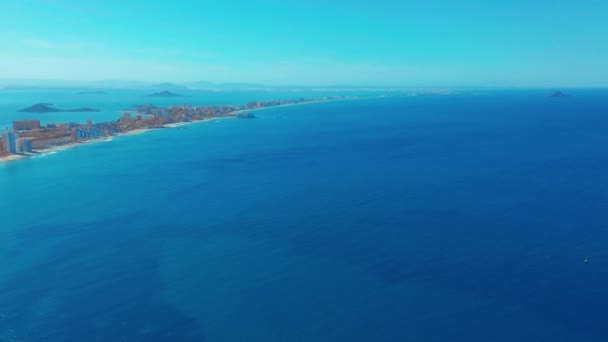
column 474, row 216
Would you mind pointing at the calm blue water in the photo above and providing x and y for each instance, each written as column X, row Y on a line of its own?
column 452, row 218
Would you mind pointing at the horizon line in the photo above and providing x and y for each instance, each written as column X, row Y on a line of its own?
column 58, row 83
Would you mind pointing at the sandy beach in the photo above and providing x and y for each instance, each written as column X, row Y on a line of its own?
column 11, row 157
column 180, row 124
column 174, row 125
column 68, row 146
column 135, row 131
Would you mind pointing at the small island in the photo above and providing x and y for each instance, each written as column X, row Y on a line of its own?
column 48, row 108
column 559, row 94
column 165, row 93
column 246, row 115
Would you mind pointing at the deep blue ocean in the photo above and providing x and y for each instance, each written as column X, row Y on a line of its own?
column 427, row 218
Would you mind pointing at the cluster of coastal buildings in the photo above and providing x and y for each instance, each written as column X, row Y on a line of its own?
column 28, row 136
column 11, row 143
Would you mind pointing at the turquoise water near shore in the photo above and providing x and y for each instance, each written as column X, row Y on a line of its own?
column 431, row 218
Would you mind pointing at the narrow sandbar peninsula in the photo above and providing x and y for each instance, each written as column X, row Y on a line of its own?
column 30, row 137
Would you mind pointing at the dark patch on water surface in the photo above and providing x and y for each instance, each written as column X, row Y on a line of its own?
column 97, row 283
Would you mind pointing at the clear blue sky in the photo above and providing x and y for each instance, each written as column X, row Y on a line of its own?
column 379, row 42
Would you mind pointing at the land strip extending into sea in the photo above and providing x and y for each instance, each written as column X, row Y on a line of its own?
column 234, row 112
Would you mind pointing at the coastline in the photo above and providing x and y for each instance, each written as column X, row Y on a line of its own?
column 51, row 150
column 12, row 157
column 289, row 105
column 54, row 149
column 134, row 132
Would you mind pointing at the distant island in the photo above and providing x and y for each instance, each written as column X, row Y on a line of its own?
column 48, row 108
column 559, row 94
column 92, row 93
column 165, row 93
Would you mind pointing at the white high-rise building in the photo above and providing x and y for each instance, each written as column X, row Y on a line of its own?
column 24, row 145
column 10, row 141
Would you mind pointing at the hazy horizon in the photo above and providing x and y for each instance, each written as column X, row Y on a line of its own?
column 412, row 43
column 126, row 84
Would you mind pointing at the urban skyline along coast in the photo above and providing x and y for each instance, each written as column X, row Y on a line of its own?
column 29, row 137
